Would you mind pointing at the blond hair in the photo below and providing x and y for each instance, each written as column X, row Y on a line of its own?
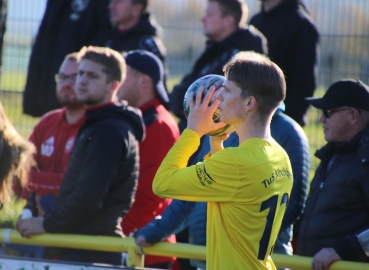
column 16, row 155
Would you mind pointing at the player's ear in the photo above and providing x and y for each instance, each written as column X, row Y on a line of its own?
column 250, row 103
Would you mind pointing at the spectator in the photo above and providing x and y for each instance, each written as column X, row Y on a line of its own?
column 135, row 28
column 53, row 137
column 98, row 187
column 181, row 214
column 293, row 46
column 66, row 27
column 338, row 203
column 143, row 88
column 247, row 187
column 223, row 25
column 55, row 134
column 15, row 156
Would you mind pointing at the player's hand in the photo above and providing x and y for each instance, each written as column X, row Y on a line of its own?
column 200, row 118
column 324, row 258
column 30, row 226
column 141, row 242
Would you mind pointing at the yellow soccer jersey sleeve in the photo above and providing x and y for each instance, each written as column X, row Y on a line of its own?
column 247, row 188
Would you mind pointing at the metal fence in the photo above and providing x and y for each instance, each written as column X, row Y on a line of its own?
column 343, row 25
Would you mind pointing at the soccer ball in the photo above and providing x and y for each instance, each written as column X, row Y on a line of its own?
column 207, row 81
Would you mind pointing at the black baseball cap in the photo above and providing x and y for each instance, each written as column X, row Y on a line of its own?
column 149, row 64
column 347, row 92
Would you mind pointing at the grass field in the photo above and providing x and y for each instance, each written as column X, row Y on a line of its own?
column 12, row 102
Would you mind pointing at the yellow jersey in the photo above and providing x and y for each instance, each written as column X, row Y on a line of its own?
column 247, row 189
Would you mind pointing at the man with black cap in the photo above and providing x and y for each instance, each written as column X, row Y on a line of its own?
column 144, row 88
column 336, row 220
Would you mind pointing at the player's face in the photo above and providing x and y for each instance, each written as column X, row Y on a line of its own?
column 231, row 106
column 213, row 22
column 129, row 90
column 65, row 85
column 336, row 125
column 121, row 11
column 92, row 87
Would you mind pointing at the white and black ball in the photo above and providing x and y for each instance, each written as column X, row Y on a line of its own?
column 207, row 81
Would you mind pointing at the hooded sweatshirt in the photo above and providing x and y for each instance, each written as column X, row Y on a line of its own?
column 99, row 185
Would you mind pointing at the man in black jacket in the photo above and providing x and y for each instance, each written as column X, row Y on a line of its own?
column 337, row 208
column 66, row 27
column 293, row 45
column 98, row 187
column 135, row 28
column 223, row 25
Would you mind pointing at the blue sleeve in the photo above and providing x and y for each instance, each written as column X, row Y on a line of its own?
column 174, row 219
column 293, row 140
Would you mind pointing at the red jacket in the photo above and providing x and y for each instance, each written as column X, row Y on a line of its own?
column 161, row 133
column 54, row 140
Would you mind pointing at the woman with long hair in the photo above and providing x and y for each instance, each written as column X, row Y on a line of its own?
column 16, row 156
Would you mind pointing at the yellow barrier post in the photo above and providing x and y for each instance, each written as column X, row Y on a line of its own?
column 135, row 258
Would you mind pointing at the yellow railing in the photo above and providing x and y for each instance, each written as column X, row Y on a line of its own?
column 136, row 258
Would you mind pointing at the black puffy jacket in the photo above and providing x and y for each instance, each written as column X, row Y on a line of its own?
column 98, row 187
column 338, row 204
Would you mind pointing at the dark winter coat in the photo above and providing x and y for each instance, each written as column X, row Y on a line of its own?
column 293, row 46
column 66, row 27
column 338, row 204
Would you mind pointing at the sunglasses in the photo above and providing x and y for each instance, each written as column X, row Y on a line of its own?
column 328, row 113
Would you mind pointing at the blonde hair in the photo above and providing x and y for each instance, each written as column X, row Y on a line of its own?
column 16, row 156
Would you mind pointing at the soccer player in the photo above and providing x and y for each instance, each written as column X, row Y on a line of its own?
column 247, row 187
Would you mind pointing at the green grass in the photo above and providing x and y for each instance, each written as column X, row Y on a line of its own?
column 10, row 212
column 12, row 102
column 13, row 80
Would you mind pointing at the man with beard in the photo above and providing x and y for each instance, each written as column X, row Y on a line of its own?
column 55, row 134
column 53, row 137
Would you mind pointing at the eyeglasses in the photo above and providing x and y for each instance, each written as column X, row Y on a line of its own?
column 328, row 113
column 60, row 77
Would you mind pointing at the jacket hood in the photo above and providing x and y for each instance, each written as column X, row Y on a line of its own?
column 119, row 111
